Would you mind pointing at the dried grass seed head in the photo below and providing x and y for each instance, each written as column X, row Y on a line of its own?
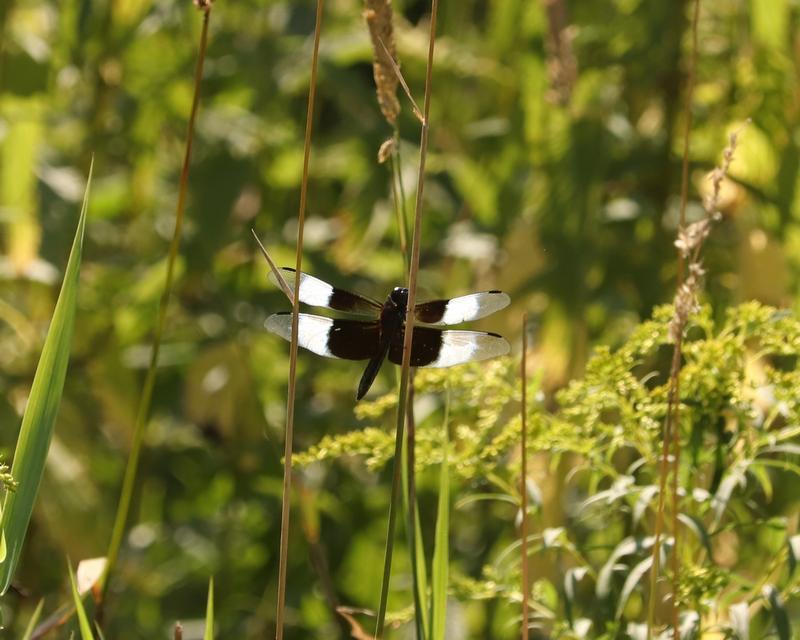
column 386, row 149
column 378, row 14
column 690, row 242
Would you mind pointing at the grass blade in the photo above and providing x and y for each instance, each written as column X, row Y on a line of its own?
column 37, row 613
column 209, row 633
column 413, row 528
column 420, row 577
column 286, row 495
column 441, row 547
column 406, row 364
column 40, row 413
column 523, row 477
column 631, row 581
column 99, row 631
column 780, row 617
column 83, row 620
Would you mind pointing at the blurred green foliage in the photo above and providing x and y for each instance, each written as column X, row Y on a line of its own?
column 553, row 173
column 594, row 485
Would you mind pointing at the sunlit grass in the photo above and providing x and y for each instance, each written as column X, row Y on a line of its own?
column 83, row 620
column 39, row 420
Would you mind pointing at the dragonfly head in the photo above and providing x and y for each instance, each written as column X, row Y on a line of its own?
column 399, row 296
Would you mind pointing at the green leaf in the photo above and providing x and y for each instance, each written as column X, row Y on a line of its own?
column 209, row 633
column 40, row 414
column 770, row 22
column 627, row 547
column 689, row 625
column 422, row 574
column 739, row 618
column 631, row 581
column 441, row 549
column 37, row 613
column 761, row 474
column 779, row 615
column 696, row 527
column 731, row 480
column 83, row 620
column 794, row 553
column 478, row 497
column 571, row 579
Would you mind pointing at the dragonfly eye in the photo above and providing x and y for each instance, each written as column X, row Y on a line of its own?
column 399, row 296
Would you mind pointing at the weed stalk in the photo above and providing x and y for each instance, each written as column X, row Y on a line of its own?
column 143, row 412
column 409, row 328
column 523, row 475
column 672, row 429
column 286, row 497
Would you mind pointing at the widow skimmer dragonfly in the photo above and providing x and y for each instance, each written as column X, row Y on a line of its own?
column 382, row 336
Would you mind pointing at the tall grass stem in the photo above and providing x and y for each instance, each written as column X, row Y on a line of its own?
column 290, row 401
column 409, row 327
column 672, row 431
column 441, row 548
column 523, row 476
column 129, row 481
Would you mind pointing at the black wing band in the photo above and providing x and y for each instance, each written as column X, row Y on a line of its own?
column 346, row 339
column 461, row 309
column 318, row 293
column 436, row 348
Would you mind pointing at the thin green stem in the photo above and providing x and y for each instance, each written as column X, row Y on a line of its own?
column 412, row 508
column 399, row 205
column 129, row 481
column 397, row 465
column 403, row 212
column 409, row 326
column 286, row 497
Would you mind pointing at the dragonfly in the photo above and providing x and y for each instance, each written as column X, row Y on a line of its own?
column 381, row 336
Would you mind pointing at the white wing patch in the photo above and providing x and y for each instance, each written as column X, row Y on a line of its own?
column 459, row 347
column 313, row 291
column 474, row 306
column 312, row 331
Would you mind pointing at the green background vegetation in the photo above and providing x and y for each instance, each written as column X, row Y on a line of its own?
column 553, row 173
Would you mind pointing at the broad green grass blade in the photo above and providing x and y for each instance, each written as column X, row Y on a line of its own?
column 441, row 550
column 209, row 634
column 40, row 413
column 83, row 621
column 33, row 621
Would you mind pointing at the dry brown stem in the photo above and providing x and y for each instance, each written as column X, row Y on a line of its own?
column 523, row 477
column 562, row 67
column 690, row 243
column 286, row 496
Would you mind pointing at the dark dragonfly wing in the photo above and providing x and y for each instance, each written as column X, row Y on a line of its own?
column 318, row 293
column 437, row 348
column 461, row 309
column 346, row 339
